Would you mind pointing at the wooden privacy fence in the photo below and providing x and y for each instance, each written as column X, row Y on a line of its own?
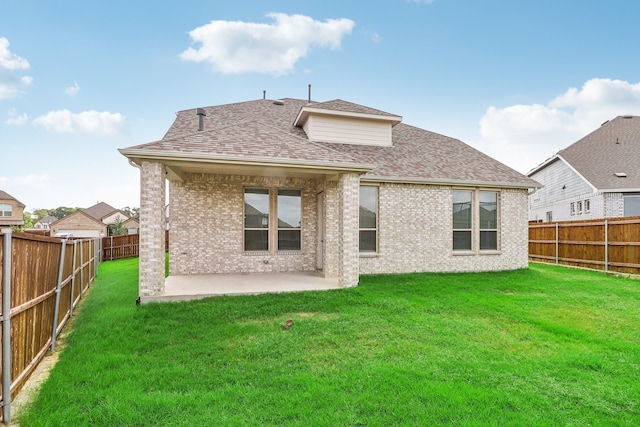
column 116, row 247
column 43, row 280
column 609, row 245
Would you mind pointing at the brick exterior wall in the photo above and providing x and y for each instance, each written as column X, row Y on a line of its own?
column 414, row 229
column 78, row 221
column 152, row 229
column 349, row 194
column 415, row 232
column 206, row 226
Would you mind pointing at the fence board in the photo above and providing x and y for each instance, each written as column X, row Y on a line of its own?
column 35, row 270
column 612, row 244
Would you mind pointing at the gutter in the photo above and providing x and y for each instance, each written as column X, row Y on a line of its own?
column 443, row 181
column 137, row 154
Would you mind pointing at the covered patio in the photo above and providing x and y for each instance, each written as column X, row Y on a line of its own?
column 198, row 286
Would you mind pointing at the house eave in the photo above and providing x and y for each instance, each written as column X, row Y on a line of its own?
column 137, row 156
column 304, row 113
column 452, row 182
column 620, row 190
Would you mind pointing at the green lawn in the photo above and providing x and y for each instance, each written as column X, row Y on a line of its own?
column 544, row 346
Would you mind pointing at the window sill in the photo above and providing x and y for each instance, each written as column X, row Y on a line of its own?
column 369, row 254
column 463, row 253
column 263, row 253
column 490, row 252
column 473, row 253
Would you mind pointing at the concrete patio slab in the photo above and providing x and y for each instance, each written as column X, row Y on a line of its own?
column 197, row 286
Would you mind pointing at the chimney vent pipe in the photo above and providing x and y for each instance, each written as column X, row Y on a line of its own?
column 200, row 113
column 309, row 92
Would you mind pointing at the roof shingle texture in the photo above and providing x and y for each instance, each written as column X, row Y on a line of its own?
column 99, row 210
column 262, row 129
column 614, row 147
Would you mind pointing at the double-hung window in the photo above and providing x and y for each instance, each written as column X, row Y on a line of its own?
column 475, row 220
column 256, row 219
column 289, row 220
column 6, row 209
column 368, row 218
column 631, row 204
column 261, row 231
column 462, row 220
column 488, row 220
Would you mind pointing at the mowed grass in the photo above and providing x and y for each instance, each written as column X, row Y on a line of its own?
column 543, row 346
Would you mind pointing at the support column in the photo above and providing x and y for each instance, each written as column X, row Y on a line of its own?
column 152, row 229
column 349, row 195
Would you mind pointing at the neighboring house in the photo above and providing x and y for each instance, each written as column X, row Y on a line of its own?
column 334, row 187
column 45, row 223
column 596, row 177
column 11, row 210
column 95, row 221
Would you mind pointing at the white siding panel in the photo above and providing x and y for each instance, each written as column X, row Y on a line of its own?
column 348, row 131
column 561, row 187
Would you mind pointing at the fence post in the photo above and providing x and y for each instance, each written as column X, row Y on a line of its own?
column 81, row 270
column 56, row 309
column 111, row 248
column 73, row 278
column 606, row 245
column 6, row 325
column 557, row 244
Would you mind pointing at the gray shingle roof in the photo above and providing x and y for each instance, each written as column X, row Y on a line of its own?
column 614, row 147
column 263, row 129
column 6, row 196
column 99, row 210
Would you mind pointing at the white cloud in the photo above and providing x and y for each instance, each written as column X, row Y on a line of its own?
column 37, row 182
column 72, row 90
column 16, row 119
column 234, row 47
column 10, row 64
column 523, row 136
column 87, row 122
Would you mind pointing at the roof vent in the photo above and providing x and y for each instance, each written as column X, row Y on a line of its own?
column 278, row 102
column 200, row 113
column 620, row 174
column 627, row 117
column 604, row 123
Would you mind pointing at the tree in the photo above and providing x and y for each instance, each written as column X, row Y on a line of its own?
column 131, row 212
column 28, row 220
column 117, row 228
column 40, row 213
column 62, row 211
column 59, row 212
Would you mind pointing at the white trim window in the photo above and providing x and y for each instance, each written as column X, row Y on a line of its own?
column 289, row 220
column 475, row 220
column 462, row 220
column 579, row 207
column 573, row 208
column 256, row 219
column 488, row 213
column 6, row 209
column 587, row 206
column 368, row 219
column 262, row 229
column 631, row 204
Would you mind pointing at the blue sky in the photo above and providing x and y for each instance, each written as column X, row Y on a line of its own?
column 518, row 80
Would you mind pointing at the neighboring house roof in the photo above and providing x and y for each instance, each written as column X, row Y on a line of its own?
column 72, row 215
column 99, row 210
column 6, row 196
column 265, row 131
column 47, row 219
column 613, row 148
